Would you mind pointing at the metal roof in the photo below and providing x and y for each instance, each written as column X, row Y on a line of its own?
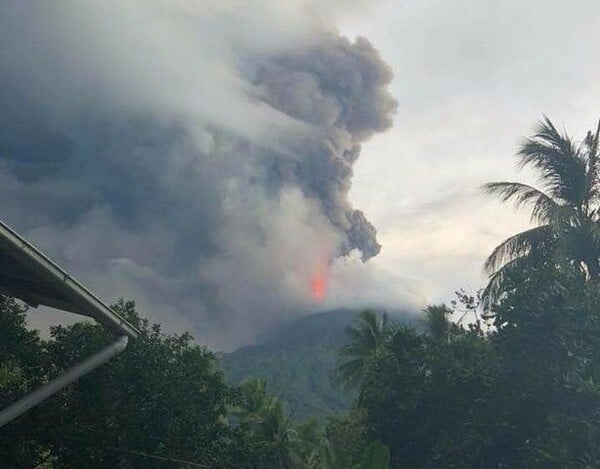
column 29, row 275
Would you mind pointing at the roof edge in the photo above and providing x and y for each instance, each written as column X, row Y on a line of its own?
column 87, row 303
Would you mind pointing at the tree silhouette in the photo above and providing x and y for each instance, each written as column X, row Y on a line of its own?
column 566, row 208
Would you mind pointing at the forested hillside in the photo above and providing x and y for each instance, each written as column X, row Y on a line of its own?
column 298, row 364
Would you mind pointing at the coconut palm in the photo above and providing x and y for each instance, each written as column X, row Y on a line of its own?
column 260, row 413
column 368, row 334
column 437, row 321
column 565, row 208
column 263, row 417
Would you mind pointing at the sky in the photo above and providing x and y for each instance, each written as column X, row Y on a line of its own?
column 230, row 172
column 472, row 77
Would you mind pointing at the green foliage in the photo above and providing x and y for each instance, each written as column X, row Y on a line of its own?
column 438, row 322
column 548, row 339
column 368, row 335
column 301, row 446
column 302, row 377
column 347, row 438
column 20, row 350
column 298, row 364
column 261, row 415
column 162, row 399
column 22, row 367
column 376, row 456
column 566, row 209
column 523, row 392
column 163, row 402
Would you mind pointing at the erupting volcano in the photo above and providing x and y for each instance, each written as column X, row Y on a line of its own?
column 218, row 187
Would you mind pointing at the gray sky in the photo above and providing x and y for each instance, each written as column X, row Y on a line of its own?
column 471, row 78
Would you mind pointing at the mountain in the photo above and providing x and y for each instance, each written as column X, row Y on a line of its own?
column 298, row 361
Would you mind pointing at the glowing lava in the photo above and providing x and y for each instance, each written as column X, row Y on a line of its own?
column 318, row 287
column 318, row 282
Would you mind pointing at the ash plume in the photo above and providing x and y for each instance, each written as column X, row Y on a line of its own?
column 341, row 88
column 160, row 152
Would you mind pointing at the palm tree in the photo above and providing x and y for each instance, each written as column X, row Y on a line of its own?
column 368, row 334
column 566, row 209
column 438, row 322
column 263, row 417
column 260, row 413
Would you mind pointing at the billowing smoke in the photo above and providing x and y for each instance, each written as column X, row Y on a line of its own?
column 196, row 157
column 340, row 88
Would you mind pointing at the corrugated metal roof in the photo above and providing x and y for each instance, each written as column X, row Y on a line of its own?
column 29, row 275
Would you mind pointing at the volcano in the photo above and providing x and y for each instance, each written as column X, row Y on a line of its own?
column 298, row 361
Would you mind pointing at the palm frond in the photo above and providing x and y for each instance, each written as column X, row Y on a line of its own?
column 354, row 333
column 559, row 160
column 591, row 145
column 581, row 243
column 567, row 208
column 544, row 209
column 366, row 335
column 350, row 373
column 497, row 282
column 437, row 320
column 519, row 245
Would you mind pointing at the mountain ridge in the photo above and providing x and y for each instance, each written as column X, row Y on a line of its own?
column 298, row 360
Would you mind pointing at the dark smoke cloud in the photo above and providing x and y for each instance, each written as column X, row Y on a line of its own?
column 341, row 88
column 159, row 156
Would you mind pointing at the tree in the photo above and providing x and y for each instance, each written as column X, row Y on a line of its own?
column 420, row 395
column 262, row 415
column 367, row 336
column 160, row 402
column 263, row 418
column 546, row 399
column 346, row 439
column 523, row 393
column 22, row 365
column 438, row 322
column 566, row 209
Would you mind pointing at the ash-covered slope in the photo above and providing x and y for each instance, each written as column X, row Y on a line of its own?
column 298, row 361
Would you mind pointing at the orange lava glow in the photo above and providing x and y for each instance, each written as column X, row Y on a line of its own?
column 318, row 282
column 318, row 287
